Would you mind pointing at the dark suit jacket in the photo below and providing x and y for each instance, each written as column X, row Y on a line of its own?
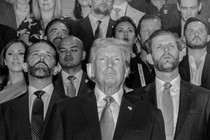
column 205, row 78
column 6, row 34
column 7, row 15
column 86, row 84
column 77, row 119
column 194, row 109
column 14, row 117
column 176, row 29
column 83, row 30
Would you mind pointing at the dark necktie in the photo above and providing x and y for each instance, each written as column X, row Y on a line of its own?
column 98, row 33
column 71, row 89
column 107, row 121
column 167, row 111
column 37, row 117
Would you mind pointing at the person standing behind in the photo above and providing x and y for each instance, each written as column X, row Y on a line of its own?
column 72, row 80
column 196, row 62
column 185, row 107
column 25, row 117
column 81, row 8
column 97, row 24
column 108, row 113
column 32, row 28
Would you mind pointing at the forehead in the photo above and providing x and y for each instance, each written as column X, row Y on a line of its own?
column 16, row 46
column 125, row 24
column 163, row 39
column 150, row 23
column 41, row 47
column 110, row 50
column 58, row 25
column 188, row 3
column 195, row 25
column 71, row 42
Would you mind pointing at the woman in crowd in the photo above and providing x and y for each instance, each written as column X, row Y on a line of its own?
column 81, row 8
column 22, row 9
column 12, row 78
column 125, row 29
column 43, row 11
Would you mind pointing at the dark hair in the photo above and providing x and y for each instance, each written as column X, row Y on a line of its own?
column 194, row 19
column 77, row 10
column 160, row 32
column 124, row 19
column 179, row 1
column 27, row 53
column 52, row 22
column 4, row 71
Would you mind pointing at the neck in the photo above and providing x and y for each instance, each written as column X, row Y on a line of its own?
column 22, row 7
column 72, row 71
column 167, row 76
column 119, row 2
column 197, row 53
column 47, row 16
column 16, row 77
column 39, row 83
column 109, row 90
column 85, row 11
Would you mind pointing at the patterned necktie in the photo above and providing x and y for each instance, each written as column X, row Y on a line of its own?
column 167, row 111
column 98, row 32
column 71, row 89
column 107, row 121
column 37, row 117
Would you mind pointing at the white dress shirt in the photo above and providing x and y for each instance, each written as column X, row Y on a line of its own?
column 104, row 24
column 175, row 93
column 45, row 97
column 77, row 81
column 196, row 72
column 115, row 106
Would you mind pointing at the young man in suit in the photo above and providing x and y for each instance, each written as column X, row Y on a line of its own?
column 25, row 117
column 196, row 62
column 71, row 54
column 108, row 113
column 185, row 106
column 97, row 24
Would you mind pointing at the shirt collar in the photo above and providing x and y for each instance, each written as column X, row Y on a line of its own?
column 48, row 89
column 92, row 18
column 100, row 95
column 78, row 76
column 191, row 58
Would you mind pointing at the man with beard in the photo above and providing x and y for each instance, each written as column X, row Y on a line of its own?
column 71, row 54
column 97, row 24
column 25, row 117
column 107, row 113
column 196, row 62
column 185, row 106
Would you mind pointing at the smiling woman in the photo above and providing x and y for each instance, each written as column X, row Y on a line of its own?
column 12, row 83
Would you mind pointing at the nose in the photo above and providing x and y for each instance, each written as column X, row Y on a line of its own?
column 189, row 12
column 126, row 33
column 68, row 53
column 109, row 62
column 42, row 57
column 166, row 48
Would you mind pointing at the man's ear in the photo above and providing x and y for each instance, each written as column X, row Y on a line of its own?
column 149, row 59
column 56, row 70
column 127, row 71
column 25, row 67
column 178, row 6
column 90, row 70
column 200, row 6
column 182, row 53
column 83, row 55
column 208, row 38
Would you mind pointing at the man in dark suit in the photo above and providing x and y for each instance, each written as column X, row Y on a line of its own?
column 185, row 106
column 108, row 112
column 71, row 54
column 196, row 62
column 6, row 34
column 86, row 28
column 19, row 117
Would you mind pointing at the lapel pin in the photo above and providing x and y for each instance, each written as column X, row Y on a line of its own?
column 86, row 80
column 130, row 108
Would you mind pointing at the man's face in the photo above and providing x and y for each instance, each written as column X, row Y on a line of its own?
column 109, row 67
column 196, row 35
column 102, row 7
column 125, row 31
column 57, row 32
column 71, row 53
column 165, row 53
column 147, row 28
column 189, row 8
column 41, row 60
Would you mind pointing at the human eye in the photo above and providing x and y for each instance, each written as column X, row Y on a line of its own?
column 34, row 54
column 120, row 30
column 21, row 53
column 62, row 50
column 49, row 56
column 74, row 50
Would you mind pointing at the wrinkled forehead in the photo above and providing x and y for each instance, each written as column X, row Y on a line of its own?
column 70, row 42
column 196, row 25
column 189, row 3
column 164, row 39
column 42, row 47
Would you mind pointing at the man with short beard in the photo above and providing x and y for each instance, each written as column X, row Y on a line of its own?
column 196, row 62
column 185, row 106
column 19, row 117
column 96, row 25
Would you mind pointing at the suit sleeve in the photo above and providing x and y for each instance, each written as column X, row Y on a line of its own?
column 208, row 119
column 158, row 132
column 2, row 126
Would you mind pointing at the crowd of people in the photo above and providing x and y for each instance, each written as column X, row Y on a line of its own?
column 104, row 70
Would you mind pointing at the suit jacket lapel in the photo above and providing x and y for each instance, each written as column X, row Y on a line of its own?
column 110, row 28
column 125, row 114
column 22, row 108
column 150, row 94
column 205, row 70
column 83, row 87
column 59, row 86
column 184, row 104
column 91, row 114
column 86, row 25
column 185, row 65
